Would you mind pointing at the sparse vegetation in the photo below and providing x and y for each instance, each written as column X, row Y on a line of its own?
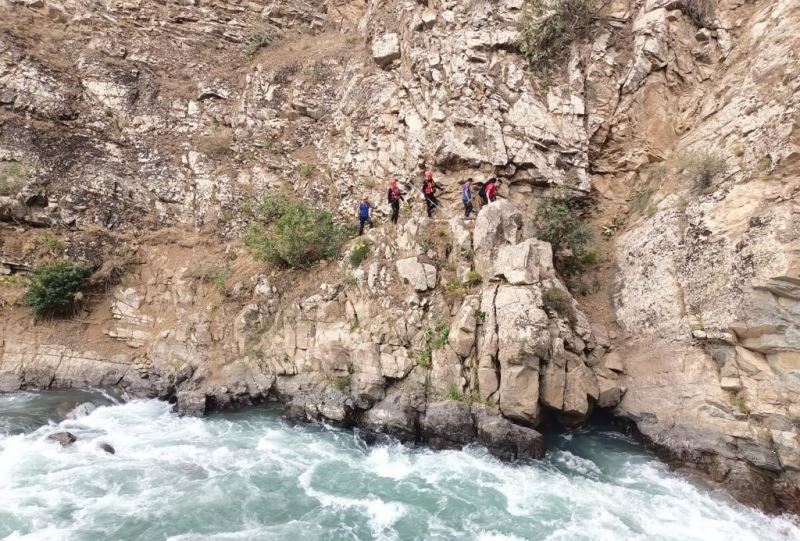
column 218, row 142
column 342, row 383
column 57, row 288
column 424, row 358
column 437, row 337
column 359, row 252
column 453, row 393
column 560, row 225
column 480, row 315
column 701, row 12
column 53, row 244
column 472, row 397
column 293, row 233
column 219, row 279
column 560, row 302
column 739, row 403
column 643, row 202
column 306, row 170
column 455, row 288
column 765, row 163
column 12, row 175
column 704, row 167
column 259, row 39
column 473, row 279
column 552, row 26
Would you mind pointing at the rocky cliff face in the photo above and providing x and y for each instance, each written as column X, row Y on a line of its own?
column 136, row 133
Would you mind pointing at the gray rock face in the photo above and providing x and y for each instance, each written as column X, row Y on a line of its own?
column 191, row 403
column 448, row 424
column 507, row 440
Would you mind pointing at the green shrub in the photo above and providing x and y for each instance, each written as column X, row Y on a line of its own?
column 219, row 279
column 359, row 252
column 455, row 286
column 552, row 26
column 259, row 39
column 559, row 224
column 437, row 337
column 293, row 233
column 560, row 302
column 473, row 279
column 53, row 244
column 704, row 167
column 57, row 288
column 480, row 315
column 424, row 358
column 453, row 393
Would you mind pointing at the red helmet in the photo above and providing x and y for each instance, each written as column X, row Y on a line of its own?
column 428, row 174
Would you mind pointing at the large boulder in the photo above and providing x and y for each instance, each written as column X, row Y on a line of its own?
column 507, row 440
column 191, row 403
column 421, row 276
column 448, row 424
column 391, row 418
column 386, row 49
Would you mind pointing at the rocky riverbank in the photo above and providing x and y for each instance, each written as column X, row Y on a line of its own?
column 136, row 137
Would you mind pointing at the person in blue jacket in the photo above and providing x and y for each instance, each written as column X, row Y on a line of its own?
column 466, row 197
column 364, row 210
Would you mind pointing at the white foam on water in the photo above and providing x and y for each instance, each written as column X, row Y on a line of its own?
column 231, row 478
column 382, row 515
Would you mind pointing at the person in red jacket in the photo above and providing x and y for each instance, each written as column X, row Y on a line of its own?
column 491, row 189
column 394, row 197
column 429, row 188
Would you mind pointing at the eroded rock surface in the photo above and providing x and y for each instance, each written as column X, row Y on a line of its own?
column 140, row 133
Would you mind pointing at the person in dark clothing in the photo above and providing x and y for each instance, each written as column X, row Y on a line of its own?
column 482, row 192
column 429, row 188
column 394, row 197
column 364, row 209
column 466, row 197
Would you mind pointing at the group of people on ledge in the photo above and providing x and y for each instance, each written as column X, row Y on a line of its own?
column 486, row 191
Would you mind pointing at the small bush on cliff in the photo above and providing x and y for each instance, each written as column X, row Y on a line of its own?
column 293, row 233
column 437, row 338
column 57, row 288
column 701, row 12
column 704, row 167
column 359, row 252
column 560, row 302
column 552, row 26
column 560, row 225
